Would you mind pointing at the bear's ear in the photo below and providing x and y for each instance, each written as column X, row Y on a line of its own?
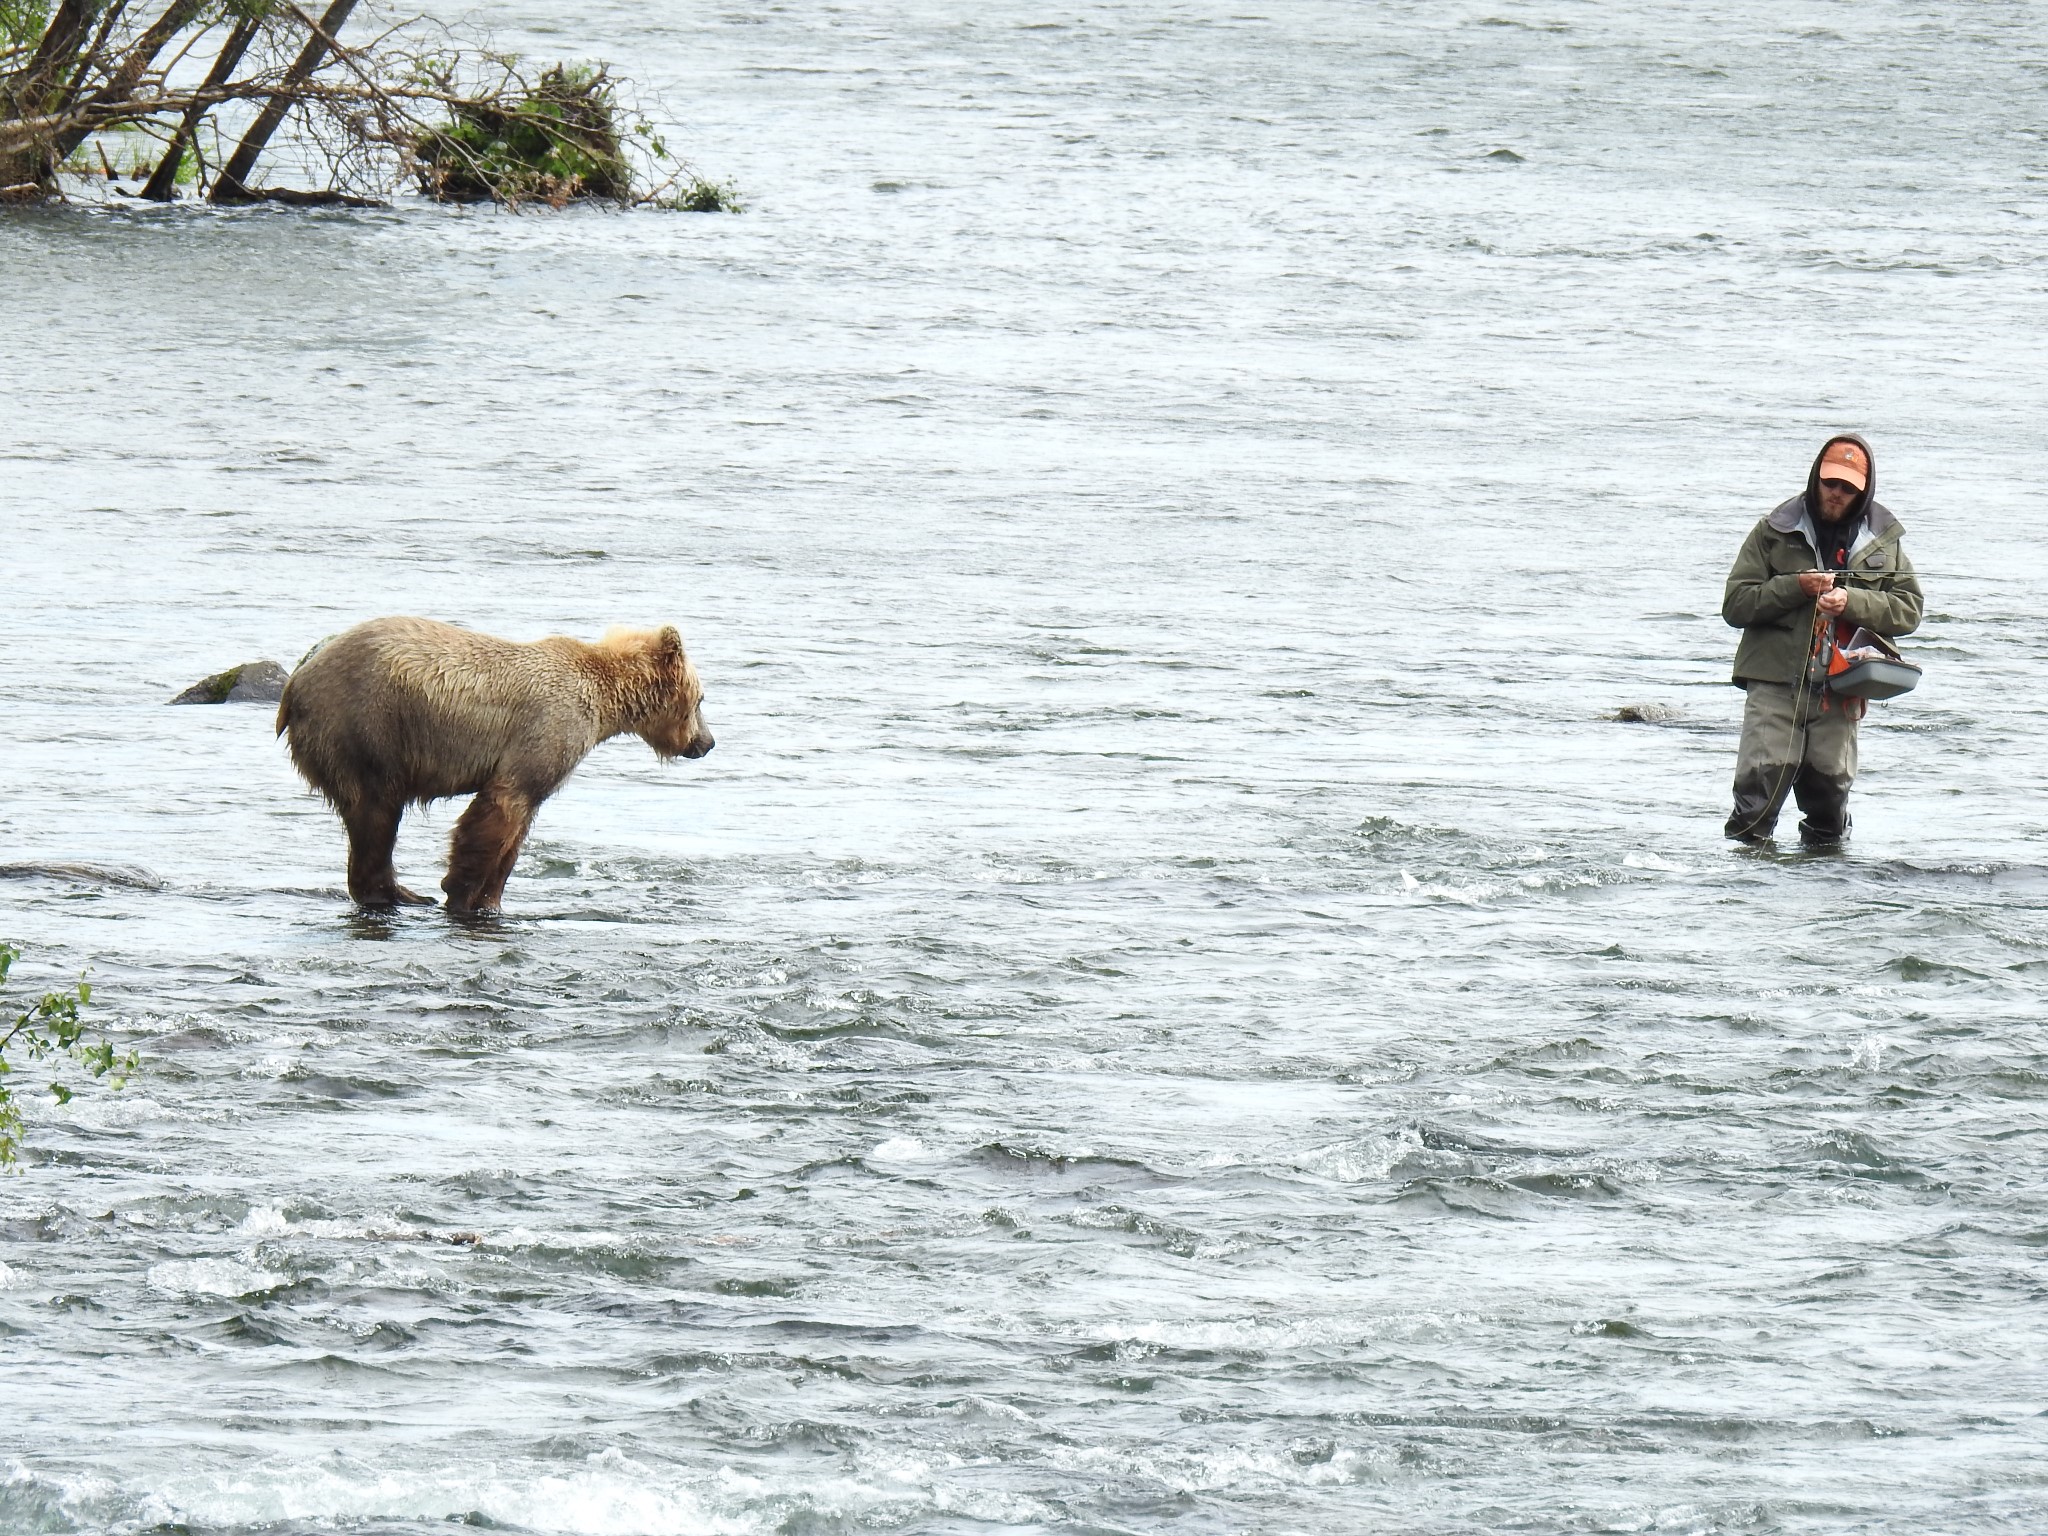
column 668, row 644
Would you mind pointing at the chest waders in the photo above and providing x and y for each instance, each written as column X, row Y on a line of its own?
column 1821, row 662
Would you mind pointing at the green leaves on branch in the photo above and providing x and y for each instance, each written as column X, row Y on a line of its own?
column 22, row 23
column 51, row 1030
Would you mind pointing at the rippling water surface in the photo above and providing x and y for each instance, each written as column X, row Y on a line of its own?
column 1170, row 1009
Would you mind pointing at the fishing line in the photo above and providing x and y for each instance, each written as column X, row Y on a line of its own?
column 1801, row 706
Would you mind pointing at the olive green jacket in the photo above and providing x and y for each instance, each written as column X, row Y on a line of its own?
column 1764, row 601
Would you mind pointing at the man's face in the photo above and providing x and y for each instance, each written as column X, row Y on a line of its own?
column 1836, row 497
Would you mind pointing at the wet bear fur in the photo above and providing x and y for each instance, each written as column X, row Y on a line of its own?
column 399, row 711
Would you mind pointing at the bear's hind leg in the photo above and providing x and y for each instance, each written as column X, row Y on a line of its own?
column 485, row 846
column 494, row 892
column 372, row 834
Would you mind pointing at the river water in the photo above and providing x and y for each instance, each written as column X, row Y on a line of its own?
column 1172, row 1008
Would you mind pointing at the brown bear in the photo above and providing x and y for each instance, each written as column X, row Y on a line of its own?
column 404, row 711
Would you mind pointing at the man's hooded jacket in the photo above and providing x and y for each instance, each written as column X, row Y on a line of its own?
column 1763, row 598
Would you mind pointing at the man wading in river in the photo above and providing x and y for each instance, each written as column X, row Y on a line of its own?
column 1830, row 556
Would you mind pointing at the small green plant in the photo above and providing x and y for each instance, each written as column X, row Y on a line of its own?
column 698, row 195
column 50, row 1029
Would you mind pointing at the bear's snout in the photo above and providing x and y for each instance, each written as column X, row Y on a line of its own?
column 700, row 744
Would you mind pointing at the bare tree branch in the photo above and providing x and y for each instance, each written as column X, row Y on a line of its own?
column 128, row 75
column 231, row 185
column 163, row 181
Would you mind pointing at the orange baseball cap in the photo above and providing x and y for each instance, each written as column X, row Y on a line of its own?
column 1845, row 461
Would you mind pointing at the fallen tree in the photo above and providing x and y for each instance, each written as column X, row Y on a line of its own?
column 411, row 102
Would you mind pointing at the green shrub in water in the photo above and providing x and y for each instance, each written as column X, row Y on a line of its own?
column 49, row 1029
column 700, row 196
column 554, row 143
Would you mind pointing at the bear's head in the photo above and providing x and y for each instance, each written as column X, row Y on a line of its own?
column 672, row 721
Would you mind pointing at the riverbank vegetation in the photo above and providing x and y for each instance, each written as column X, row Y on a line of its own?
column 186, row 98
column 50, row 1030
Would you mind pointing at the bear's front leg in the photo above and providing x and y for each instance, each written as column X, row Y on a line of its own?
column 485, row 846
column 372, row 833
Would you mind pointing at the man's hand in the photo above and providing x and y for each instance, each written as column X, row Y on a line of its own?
column 1813, row 583
column 1833, row 601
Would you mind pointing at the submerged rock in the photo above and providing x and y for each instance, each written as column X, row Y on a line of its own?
column 253, row 682
column 85, row 874
column 1648, row 714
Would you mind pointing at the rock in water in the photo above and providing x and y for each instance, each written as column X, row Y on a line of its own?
column 1647, row 714
column 85, row 874
column 253, row 682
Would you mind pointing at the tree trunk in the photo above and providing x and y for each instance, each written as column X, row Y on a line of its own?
column 232, row 184
column 95, row 51
column 59, row 47
column 180, row 15
column 163, row 181
column 28, row 95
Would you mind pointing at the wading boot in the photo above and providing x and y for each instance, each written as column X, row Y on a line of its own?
column 1812, row 836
